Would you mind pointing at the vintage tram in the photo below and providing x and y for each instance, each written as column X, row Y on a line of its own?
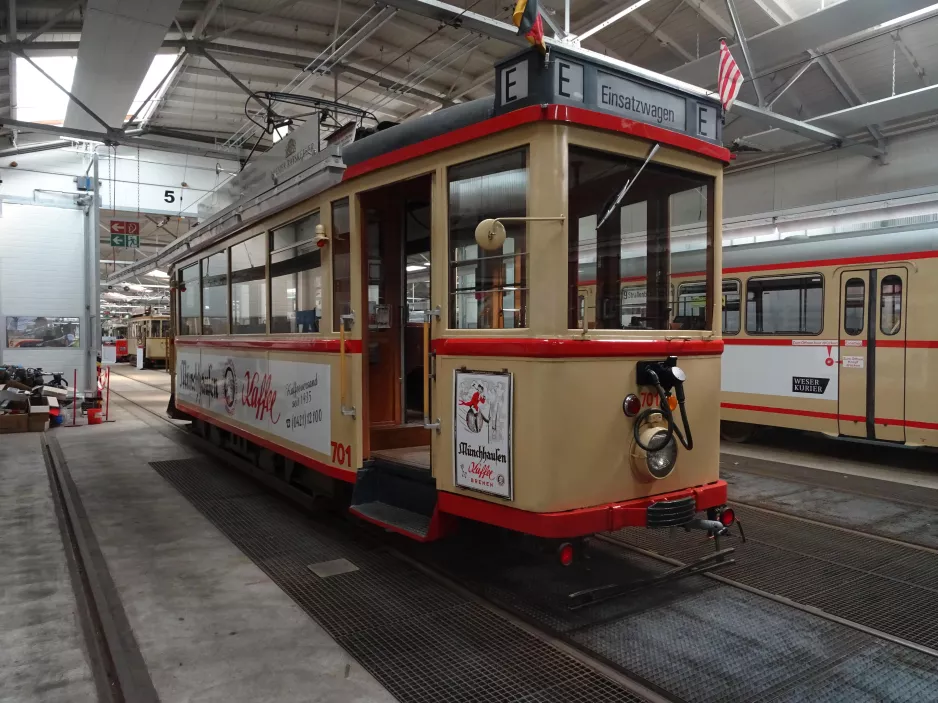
column 148, row 340
column 411, row 327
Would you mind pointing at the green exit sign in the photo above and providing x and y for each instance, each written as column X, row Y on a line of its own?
column 131, row 241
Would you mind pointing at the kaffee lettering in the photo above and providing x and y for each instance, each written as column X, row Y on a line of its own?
column 259, row 396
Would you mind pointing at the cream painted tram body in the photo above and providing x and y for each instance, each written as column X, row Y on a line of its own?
column 836, row 334
column 148, row 335
column 370, row 336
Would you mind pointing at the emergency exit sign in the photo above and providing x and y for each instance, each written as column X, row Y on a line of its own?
column 125, row 227
column 125, row 240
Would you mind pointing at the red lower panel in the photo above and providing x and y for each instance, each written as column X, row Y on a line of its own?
column 574, row 523
column 332, row 471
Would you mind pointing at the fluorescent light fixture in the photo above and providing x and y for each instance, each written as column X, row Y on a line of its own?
column 414, row 267
column 156, row 273
column 615, row 18
column 37, row 98
column 931, row 9
column 159, row 67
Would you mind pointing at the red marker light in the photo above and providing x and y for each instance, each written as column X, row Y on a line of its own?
column 565, row 554
column 321, row 242
column 727, row 517
column 631, row 405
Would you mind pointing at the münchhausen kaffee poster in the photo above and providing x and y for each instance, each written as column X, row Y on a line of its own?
column 482, row 432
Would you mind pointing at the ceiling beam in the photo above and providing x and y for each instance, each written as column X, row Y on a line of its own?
column 256, row 17
column 910, row 57
column 54, row 20
column 621, row 14
column 115, row 138
column 788, row 42
column 11, row 69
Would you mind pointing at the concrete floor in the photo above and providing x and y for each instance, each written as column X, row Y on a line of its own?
column 42, row 656
column 210, row 625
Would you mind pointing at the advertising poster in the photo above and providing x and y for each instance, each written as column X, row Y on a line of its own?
column 290, row 399
column 482, row 442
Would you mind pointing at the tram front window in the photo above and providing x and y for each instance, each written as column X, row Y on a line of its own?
column 621, row 245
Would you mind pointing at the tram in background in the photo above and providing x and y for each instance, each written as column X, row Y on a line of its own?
column 836, row 336
column 411, row 331
column 147, row 340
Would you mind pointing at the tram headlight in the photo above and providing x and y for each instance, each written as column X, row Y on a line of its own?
column 658, row 463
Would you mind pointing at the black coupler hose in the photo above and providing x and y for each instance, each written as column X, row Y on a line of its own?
column 685, row 437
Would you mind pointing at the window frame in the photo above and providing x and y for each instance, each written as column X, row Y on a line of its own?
column 204, row 260
column 452, row 264
column 809, row 274
column 336, row 313
column 197, row 264
column 882, row 300
column 264, row 236
column 723, row 281
column 864, row 308
column 318, row 211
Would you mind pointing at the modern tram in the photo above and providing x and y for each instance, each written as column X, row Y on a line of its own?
column 147, row 340
column 412, row 331
column 836, row 336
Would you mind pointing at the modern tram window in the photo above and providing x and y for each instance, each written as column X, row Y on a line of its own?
column 691, row 311
column 854, row 306
column 249, row 286
column 341, row 262
column 785, row 305
column 618, row 232
column 190, row 307
column 488, row 289
column 215, row 294
column 890, row 305
column 295, row 277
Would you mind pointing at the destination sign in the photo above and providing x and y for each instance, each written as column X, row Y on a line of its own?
column 573, row 80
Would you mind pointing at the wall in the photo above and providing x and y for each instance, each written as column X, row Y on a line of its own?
column 832, row 176
column 42, row 274
column 148, row 179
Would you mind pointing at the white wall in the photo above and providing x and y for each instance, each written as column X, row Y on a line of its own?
column 832, row 176
column 42, row 273
column 156, row 179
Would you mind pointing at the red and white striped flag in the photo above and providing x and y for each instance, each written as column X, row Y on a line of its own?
column 730, row 78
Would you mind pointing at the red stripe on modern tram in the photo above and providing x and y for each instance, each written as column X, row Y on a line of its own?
column 915, row 424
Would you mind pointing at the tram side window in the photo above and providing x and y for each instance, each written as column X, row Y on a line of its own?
column 785, row 305
column 190, row 307
column 488, row 289
column 295, row 277
column 691, row 307
column 622, row 217
column 215, row 294
column 341, row 245
column 854, row 307
column 249, row 286
column 890, row 305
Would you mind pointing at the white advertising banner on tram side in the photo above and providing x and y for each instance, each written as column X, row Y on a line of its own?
column 482, row 442
column 806, row 369
column 290, row 399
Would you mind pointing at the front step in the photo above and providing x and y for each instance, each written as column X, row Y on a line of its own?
column 397, row 498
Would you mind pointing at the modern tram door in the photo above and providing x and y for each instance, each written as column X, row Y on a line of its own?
column 871, row 365
column 396, row 276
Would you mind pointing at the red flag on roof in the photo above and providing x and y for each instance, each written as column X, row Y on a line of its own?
column 527, row 19
column 730, row 78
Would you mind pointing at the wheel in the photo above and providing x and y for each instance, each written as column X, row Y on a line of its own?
column 737, row 432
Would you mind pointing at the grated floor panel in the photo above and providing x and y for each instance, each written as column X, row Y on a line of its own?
column 422, row 641
column 884, row 585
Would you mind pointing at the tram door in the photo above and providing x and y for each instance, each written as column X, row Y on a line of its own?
column 396, row 239
column 871, row 364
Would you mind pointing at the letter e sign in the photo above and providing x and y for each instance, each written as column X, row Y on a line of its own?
column 514, row 83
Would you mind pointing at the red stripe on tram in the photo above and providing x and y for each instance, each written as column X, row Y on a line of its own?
column 914, row 424
column 573, row 348
column 325, row 346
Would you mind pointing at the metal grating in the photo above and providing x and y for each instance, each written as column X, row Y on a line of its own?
column 695, row 639
column 884, row 585
column 421, row 641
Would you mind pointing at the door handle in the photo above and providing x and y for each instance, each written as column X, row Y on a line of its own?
column 428, row 315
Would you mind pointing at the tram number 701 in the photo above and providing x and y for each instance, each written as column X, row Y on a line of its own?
column 649, row 400
column 342, row 454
